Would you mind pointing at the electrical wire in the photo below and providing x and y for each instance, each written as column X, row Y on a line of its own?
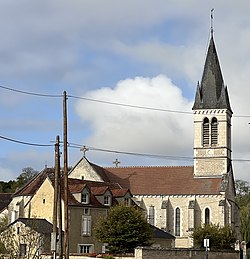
column 26, row 143
column 30, row 93
column 168, row 157
column 128, row 105
column 107, row 102
column 132, row 153
column 88, row 148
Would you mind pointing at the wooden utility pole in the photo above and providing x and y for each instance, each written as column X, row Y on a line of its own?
column 60, row 214
column 65, row 174
column 55, row 208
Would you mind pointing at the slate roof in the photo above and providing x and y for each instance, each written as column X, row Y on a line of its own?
column 158, row 233
column 163, row 180
column 39, row 225
column 212, row 93
column 5, row 199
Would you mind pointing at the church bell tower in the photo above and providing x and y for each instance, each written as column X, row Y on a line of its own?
column 212, row 120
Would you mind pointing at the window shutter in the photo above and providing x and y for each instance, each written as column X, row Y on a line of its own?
column 86, row 226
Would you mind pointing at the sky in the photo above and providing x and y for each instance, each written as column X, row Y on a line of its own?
column 112, row 57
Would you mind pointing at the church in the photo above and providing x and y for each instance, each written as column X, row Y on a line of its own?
column 177, row 199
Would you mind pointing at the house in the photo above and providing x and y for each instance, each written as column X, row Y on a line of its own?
column 179, row 198
column 87, row 202
column 27, row 237
column 162, row 239
column 19, row 206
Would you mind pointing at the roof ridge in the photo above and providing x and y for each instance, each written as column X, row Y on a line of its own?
column 157, row 166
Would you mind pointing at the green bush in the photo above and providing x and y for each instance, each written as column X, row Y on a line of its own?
column 123, row 229
column 219, row 237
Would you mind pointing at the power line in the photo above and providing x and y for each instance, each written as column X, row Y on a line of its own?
column 29, row 93
column 74, row 145
column 184, row 158
column 128, row 105
column 26, row 143
column 107, row 102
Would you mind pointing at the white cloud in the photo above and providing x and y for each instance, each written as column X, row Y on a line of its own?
column 138, row 130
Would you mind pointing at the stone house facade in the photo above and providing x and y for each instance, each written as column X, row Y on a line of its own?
column 87, row 202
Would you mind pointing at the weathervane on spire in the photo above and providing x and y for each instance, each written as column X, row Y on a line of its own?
column 212, row 19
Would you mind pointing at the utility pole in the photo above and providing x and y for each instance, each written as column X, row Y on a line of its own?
column 60, row 214
column 55, row 208
column 65, row 174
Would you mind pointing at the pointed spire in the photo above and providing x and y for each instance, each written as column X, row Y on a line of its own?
column 213, row 94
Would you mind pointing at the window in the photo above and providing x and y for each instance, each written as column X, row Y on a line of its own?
column 107, row 200
column 43, row 201
column 85, row 198
column 205, row 135
column 207, row 216
column 126, row 201
column 86, row 225
column 86, row 211
column 214, row 132
column 151, row 215
column 177, row 221
column 23, row 249
column 85, row 249
column 18, row 230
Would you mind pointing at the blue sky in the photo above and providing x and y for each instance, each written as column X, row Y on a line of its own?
column 146, row 53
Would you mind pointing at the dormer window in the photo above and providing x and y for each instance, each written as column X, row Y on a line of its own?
column 107, row 200
column 85, row 198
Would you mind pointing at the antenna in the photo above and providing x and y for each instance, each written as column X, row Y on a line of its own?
column 212, row 20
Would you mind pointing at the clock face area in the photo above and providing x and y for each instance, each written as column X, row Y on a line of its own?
column 210, row 152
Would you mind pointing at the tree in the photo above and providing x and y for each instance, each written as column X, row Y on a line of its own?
column 219, row 237
column 245, row 223
column 11, row 186
column 124, row 228
column 27, row 174
column 243, row 200
column 242, row 193
column 3, row 226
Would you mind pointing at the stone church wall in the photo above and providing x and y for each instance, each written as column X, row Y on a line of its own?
column 149, row 253
column 192, row 213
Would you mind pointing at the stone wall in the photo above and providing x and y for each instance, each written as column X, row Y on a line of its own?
column 149, row 253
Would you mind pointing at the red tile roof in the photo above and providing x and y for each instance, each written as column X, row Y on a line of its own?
column 99, row 190
column 35, row 183
column 162, row 180
column 119, row 192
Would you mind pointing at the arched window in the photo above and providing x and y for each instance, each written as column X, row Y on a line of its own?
column 151, row 215
column 214, row 132
column 177, row 221
column 205, row 135
column 207, row 216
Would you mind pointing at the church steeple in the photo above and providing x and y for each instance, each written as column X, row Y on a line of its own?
column 212, row 93
column 212, row 120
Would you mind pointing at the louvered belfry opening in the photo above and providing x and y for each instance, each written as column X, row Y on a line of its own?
column 205, row 136
column 214, row 131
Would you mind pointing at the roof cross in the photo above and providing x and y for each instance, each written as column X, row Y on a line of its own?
column 84, row 149
column 116, row 162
